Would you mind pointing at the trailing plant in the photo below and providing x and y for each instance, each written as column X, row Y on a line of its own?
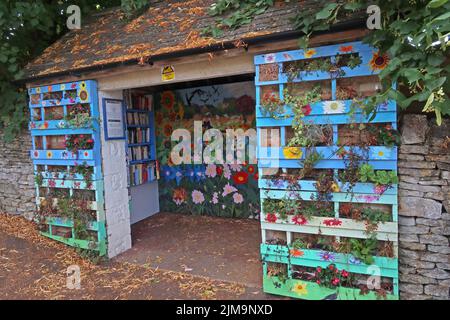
column 78, row 116
column 414, row 34
column 86, row 171
column 366, row 173
column 331, row 277
column 385, row 135
column 26, row 29
column 237, row 13
column 79, row 212
column 74, row 143
column 38, row 179
column 277, row 271
column 301, row 107
column 364, row 249
column 272, row 106
column 330, row 65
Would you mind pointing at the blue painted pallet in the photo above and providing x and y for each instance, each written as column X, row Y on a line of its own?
column 334, row 113
column 63, row 95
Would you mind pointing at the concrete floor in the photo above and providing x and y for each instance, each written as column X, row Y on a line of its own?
column 219, row 248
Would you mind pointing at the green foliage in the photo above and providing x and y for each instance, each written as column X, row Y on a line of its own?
column 367, row 173
column 234, row 13
column 79, row 212
column 364, row 249
column 300, row 105
column 414, row 34
column 26, row 29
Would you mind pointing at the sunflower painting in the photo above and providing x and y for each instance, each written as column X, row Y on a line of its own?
column 378, row 61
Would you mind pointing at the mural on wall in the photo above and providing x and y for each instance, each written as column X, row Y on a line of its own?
column 228, row 190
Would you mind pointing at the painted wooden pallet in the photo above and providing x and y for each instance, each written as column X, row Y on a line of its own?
column 312, row 291
column 331, row 112
column 315, row 258
column 61, row 97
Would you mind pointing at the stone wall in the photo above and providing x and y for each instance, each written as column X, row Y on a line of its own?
column 424, row 210
column 17, row 193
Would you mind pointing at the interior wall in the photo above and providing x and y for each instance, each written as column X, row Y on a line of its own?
column 117, row 209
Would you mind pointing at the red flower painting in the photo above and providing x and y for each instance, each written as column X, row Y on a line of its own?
column 240, row 178
column 271, row 217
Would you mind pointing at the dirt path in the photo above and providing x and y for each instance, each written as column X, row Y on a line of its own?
column 33, row 267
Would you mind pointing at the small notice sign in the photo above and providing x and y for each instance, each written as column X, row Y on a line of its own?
column 167, row 73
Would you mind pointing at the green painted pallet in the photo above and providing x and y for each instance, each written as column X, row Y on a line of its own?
column 312, row 291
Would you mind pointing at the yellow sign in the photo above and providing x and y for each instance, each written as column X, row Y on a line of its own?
column 168, row 73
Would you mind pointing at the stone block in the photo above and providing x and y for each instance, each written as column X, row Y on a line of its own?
column 433, row 239
column 411, row 288
column 436, row 290
column 414, row 129
column 419, row 207
column 438, row 274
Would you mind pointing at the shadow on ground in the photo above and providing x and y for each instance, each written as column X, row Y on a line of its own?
column 220, row 248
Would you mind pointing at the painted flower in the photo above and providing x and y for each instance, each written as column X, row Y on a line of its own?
column 179, row 196
column 49, row 154
column 199, row 173
column 240, row 178
column 299, row 220
column 335, row 281
column 168, row 99
column 300, row 288
column 307, row 110
column 215, row 198
column 368, row 198
column 197, row 197
column 62, row 87
column 346, row 49
column 344, row 273
column 333, row 107
column 380, row 189
column 238, row 198
column 168, row 130
column 353, row 260
column 51, row 183
column 335, row 187
column 378, row 61
column 36, row 154
column 327, row 256
column 159, row 117
column 228, row 189
column 45, row 125
column 269, row 58
column 332, row 222
column 172, row 116
column 292, row 152
column 211, row 170
column 251, row 169
column 32, row 125
column 169, row 173
column 296, row 253
column 309, row 53
column 235, row 167
column 271, row 217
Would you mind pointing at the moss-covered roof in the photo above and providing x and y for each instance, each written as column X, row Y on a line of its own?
column 166, row 27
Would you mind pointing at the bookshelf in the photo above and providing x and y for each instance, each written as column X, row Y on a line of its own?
column 141, row 147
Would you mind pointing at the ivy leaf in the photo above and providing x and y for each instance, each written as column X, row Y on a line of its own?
column 436, row 3
column 412, row 74
column 326, row 12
